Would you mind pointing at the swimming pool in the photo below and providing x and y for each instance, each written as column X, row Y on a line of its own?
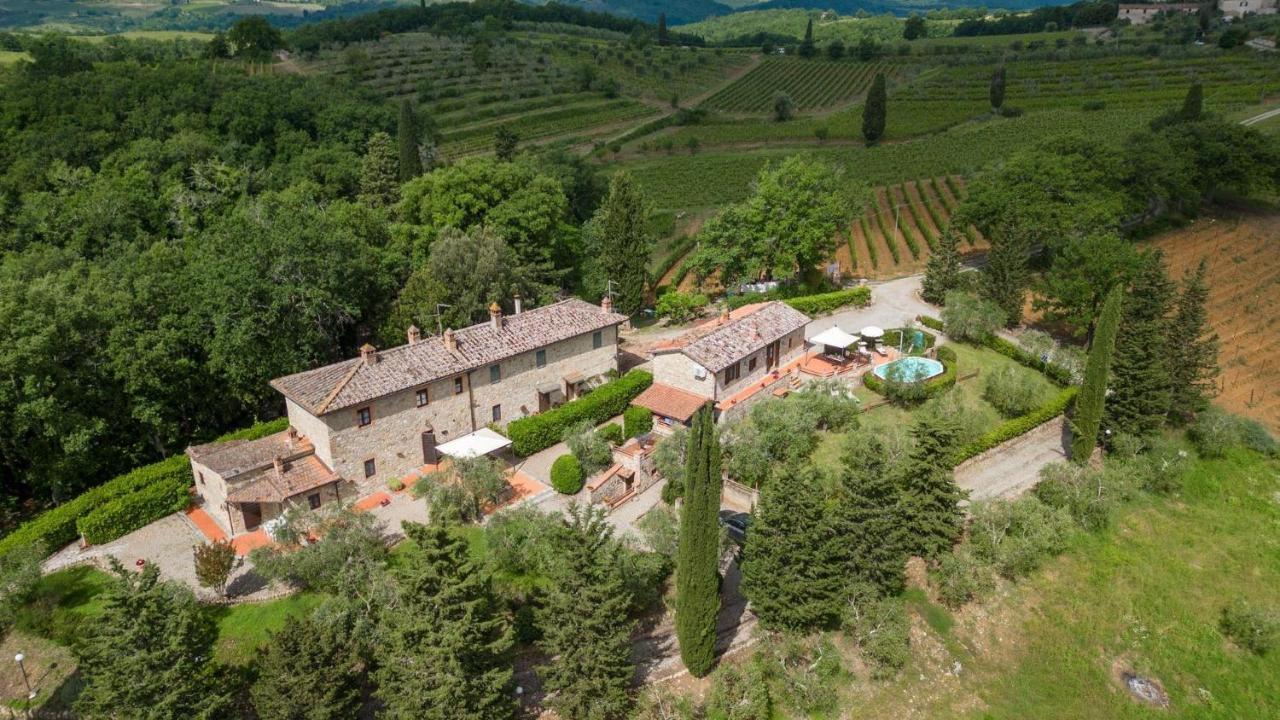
column 913, row 369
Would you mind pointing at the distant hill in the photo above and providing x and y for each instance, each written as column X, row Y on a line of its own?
column 677, row 11
column 903, row 7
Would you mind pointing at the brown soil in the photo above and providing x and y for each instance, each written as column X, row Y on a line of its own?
column 1242, row 248
column 860, row 248
column 844, row 258
column 920, row 204
column 907, row 222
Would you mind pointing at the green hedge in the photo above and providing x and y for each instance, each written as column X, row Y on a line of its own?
column 637, row 421
column 827, row 302
column 1056, row 373
column 56, row 527
column 932, row 386
column 566, row 474
column 1020, row 425
column 539, row 432
column 135, row 510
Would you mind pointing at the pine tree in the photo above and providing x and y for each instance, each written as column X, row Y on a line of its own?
column 1193, row 103
column 308, row 672
column 790, row 573
column 873, row 112
column 933, row 518
column 1089, row 403
column 942, row 274
column 148, row 654
column 807, row 49
column 584, row 623
column 867, row 528
column 379, row 177
column 505, row 143
column 625, row 243
column 1193, row 364
column 408, row 133
column 663, row 37
column 1140, row 381
column 697, row 561
column 444, row 653
column 1007, row 276
column 997, row 89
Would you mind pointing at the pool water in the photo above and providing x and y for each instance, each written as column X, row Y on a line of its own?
column 913, row 369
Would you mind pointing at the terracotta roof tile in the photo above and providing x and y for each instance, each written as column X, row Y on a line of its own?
column 297, row 476
column 670, row 401
column 719, row 345
column 352, row 382
column 236, row 457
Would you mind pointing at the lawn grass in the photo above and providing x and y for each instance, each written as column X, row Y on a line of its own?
column 244, row 628
column 9, row 57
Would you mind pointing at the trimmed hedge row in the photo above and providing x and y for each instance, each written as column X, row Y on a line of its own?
column 1020, row 425
column 56, row 527
column 636, row 421
column 1056, row 373
column 135, row 510
column 826, row 302
column 539, row 432
column 932, row 386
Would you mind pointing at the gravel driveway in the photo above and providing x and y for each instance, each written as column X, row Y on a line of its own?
column 1011, row 469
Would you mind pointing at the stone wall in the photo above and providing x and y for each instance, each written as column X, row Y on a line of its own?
column 789, row 348
column 212, row 489
column 678, row 371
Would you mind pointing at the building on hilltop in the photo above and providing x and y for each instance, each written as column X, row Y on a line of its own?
column 1143, row 13
column 357, row 423
column 1236, row 9
column 716, row 361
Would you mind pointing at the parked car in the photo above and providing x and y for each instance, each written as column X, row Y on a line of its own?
column 736, row 523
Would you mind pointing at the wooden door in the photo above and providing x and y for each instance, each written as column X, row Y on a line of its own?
column 429, row 454
column 771, row 355
column 252, row 513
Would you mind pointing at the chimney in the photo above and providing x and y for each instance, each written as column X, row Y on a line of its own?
column 724, row 315
column 519, row 304
column 414, row 334
column 495, row 316
column 369, row 354
column 606, row 303
column 278, row 464
column 450, row 342
column 291, row 437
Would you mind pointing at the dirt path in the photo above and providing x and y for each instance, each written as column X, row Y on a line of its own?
column 1011, row 469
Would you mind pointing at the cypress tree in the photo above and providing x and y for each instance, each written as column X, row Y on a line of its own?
column 505, row 143
column 583, row 618
column 663, row 37
column 867, row 528
column 379, row 178
column 307, row 660
column 942, row 273
column 1194, row 348
column 148, row 654
column 1140, row 381
column 932, row 517
column 1089, row 403
column 789, row 572
column 444, row 652
column 873, row 112
column 997, row 89
column 1193, row 103
column 807, row 49
column 1007, row 276
column 697, row 561
column 625, row 243
column 407, row 134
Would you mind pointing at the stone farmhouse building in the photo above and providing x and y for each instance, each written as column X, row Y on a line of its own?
column 1143, row 13
column 723, row 361
column 1236, row 9
column 357, row 423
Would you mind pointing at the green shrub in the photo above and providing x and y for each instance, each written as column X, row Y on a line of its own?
column 1010, row 429
column 566, row 474
column 1058, row 374
column 1081, row 491
column 1215, row 431
column 932, row 323
column 538, row 432
column 395, row 484
column 612, row 433
column 960, row 577
column 680, row 307
column 970, row 317
column 882, row 629
column 123, row 515
column 827, row 302
column 589, row 447
column 1017, row 536
column 1011, row 391
column 637, row 421
column 1250, row 627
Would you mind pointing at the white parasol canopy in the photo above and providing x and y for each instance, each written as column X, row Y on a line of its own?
column 871, row 331
column 480, row 442
column 834, row 337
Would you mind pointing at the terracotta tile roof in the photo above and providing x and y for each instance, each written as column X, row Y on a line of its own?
column 352, row 382
column 296, row 476
column 670, row 401
column 236, row 457
column 721, row 343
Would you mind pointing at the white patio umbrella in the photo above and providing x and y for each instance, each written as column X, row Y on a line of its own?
column 871, row 331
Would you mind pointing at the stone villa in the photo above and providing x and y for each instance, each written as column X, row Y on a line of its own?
column 723, row 361
column 1143, row 13
column 1236, row 9
column 357, row 423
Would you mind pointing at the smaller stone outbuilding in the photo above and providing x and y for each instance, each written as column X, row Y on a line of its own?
column 632, row 473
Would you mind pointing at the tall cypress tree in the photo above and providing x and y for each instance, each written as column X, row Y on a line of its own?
column 408, row 133
column 873, row 112
column 697, row 561
column 1089, row 403
column 444, row 653
column 1194, row 348
column 625, row 243
column 932, row 517
column 584, row 623
column 866, row 522
column 1140, row 380
column 379, row 178
column 307, row 673
column 663, row 37
column 790, row 573
column 997, row 88
column 1007, row 275
column 942, row 273
column 807, row 49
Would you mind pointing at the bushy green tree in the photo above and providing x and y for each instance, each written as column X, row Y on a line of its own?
column 1139, row 401
column 308, row 671
column 213, row 563
column 697, row 564
column 969, row 317
column 1193, row 361
column 1082, row 274
column 866, row 521
column 783, row 108
column 149, row 653
column 914, row 27
column 1006, row 277
column 586, row 628
column 253, row 37
column 997, row 88
column 622, row 243
column 379, row 174
column 932, row 516
column 874, row 110
column 505, row 143
column 942, row 273
column 444, row 651
column 1087, row 420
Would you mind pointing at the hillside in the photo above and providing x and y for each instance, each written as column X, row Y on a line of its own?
column 677, row 11
column 827, row 26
